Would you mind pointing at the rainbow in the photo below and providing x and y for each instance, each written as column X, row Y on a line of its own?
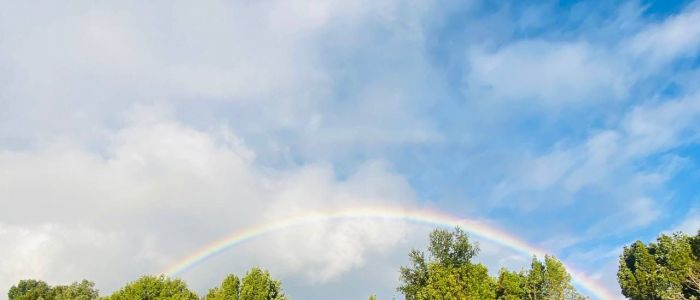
column 429, row 217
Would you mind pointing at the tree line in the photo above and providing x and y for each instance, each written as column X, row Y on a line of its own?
column 668, row 269
column 257, row 284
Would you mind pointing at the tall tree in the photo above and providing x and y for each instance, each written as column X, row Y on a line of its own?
column 535, row 286
column 258, row 285
column 154, row 288
column 549, row 280
column 230, row 289
column 448, row 273
column 666, row 269
column 511, row 285
column 557, row 280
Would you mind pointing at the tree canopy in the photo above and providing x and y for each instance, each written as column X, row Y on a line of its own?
column 666, row 269
column 154, row 288
column 31, row 289
column 256, row 285
column 448, row 272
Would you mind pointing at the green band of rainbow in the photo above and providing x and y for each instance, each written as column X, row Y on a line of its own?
column 476, row 228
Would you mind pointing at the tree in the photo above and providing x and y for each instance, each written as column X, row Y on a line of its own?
column 30, row 289
column 154, row 288
column 667, row 269
column 449, row 272
column 258, row 285
column 693, row 281
column 372, row 297
column 548, row 280
column 230, row 289
column 557, row 280
column 535, row 282
column 84, row 290
column 463, row 282
column 511, row 285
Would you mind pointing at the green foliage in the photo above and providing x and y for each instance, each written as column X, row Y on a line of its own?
column 373, row 297
column 451, row 248
column 230, row 289
column 548, row 280
column 449, row 273
column 38, row 290
column 30, row 289
column 511, row 285
column 84, row 290
column 258, row 285
column 154, row 288
column 461, row 282
column 667, row 269
column 416, row 277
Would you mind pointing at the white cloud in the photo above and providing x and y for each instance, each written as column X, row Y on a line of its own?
column 677, row 36
column 161, row 189
column 566, row 73
column 660, row 126
column 690, row 224
column 611, row 162
column 554, row 73
column 145, row 188
column 65, row 253
column 265, row 64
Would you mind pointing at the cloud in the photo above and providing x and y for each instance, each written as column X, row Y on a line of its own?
column 161, row 189
column 690, row 224
column 661, row 126
column 262, row 67
column 676, row 36
column 541, row 71
column 143, row 131
column 123, row 132
column 66, row 253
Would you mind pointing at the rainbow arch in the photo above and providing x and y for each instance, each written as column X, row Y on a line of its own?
column 429, row 217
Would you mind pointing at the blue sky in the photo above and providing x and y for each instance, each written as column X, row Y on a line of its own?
column 134, row 133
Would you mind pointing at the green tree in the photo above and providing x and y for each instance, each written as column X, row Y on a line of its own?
column 154, row 288
column 511, row 285
column 372, row 297
column 449, row 272
column 535, row 285
column 84, row 290
column 230, row 289
column 666, row 269
column 462, row 282
column 557, row 279
column 258, row 285
column 549, row 280
column 30, row 289
column 693, row 281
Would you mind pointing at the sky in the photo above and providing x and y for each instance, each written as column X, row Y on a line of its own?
column 134, row 133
